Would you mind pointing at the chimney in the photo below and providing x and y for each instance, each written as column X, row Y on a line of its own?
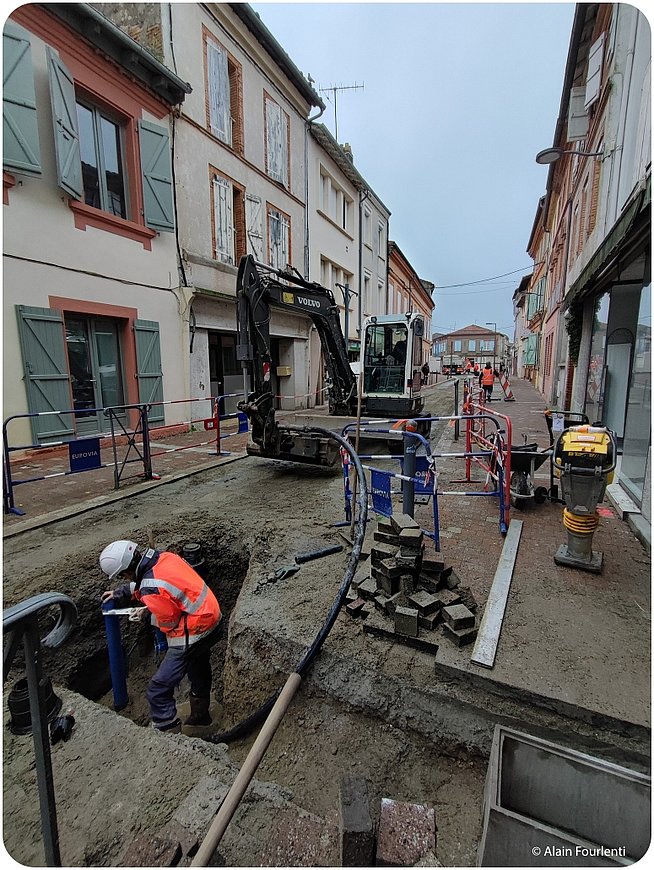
column 348, row 152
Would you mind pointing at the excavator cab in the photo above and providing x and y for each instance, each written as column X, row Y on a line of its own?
column 392, row 358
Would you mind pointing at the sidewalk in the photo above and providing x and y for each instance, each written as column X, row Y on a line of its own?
column 581, row 640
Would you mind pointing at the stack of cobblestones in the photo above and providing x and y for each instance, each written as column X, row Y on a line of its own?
column 405, row 590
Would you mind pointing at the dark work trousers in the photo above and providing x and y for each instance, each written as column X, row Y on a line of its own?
column 194, row 662
column 488, row 392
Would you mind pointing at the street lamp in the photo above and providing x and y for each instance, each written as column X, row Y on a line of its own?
column 551, row 155
column 348, row 293
column 493, row 323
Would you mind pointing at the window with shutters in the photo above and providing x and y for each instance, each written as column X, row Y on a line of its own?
column 114, row 166
column 223, row 210
column 254, row 227
column 228, row 219
column 21, row 152
column 577, row 115
column 223, row 93
column 594, row 73
column 279, row 238
column 277, row 134
column 101, row 152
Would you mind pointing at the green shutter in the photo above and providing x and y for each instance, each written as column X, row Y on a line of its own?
column 47, row 383
column 66, row 132
column 19, row 123
column 529, row 352
column 157, row 177
column 148, row 361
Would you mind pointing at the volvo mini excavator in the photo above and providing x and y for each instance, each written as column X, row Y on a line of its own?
column 392, row 351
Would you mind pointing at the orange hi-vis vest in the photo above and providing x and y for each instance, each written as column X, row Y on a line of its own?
column 181, row 603
column 487, row 377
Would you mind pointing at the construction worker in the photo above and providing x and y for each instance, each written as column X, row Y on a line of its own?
column 425, row 372
column 182, row 606
column 486, row 379
column 476, row 369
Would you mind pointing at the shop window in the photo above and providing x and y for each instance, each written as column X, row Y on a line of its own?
column 637, row 431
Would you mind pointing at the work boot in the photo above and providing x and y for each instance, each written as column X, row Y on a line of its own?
column 199, row 711
column 174, row 727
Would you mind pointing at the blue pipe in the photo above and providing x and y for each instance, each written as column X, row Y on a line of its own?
column 160, row 642
column 116, row 657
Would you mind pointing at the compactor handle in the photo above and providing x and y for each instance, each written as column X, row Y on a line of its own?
column 575, row 469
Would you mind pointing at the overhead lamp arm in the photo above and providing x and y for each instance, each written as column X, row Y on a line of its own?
column 551, row 155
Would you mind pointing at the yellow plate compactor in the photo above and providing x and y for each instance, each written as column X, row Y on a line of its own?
column 584, row 457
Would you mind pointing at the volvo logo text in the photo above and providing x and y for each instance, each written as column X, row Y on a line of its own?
column 310, row 303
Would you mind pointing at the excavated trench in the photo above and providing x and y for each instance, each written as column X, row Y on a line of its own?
column 82, row 663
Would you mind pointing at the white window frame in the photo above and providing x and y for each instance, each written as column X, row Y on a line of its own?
column 220, row 109
column 365, row 301
column 379, row 308
column 223, row 205
column 277, row 132
column 380, row 241
column 367, row 227
column 457, row 345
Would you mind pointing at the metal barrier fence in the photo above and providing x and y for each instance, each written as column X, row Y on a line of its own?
column 20, row 624
column 84, row 454
column 419, row 473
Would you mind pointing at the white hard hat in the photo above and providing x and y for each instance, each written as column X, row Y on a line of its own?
column 116, row 557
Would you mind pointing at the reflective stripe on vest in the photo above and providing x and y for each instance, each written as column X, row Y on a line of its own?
column 487, row 378
column 184, row 602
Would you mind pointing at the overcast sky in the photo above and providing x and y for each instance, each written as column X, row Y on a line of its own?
column 457, row 100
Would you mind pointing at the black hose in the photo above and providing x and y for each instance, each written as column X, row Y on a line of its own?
column 243, row 728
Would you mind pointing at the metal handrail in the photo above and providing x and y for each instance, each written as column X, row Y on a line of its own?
column 21, row 623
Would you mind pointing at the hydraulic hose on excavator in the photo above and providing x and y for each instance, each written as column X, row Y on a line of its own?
column 275, row 707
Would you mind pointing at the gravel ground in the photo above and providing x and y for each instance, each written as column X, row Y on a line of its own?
column 578, row 638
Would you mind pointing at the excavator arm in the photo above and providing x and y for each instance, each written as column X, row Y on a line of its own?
column 258, row 289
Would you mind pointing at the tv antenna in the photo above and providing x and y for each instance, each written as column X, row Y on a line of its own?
column 334, row 90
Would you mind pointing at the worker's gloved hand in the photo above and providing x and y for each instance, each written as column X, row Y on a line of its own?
column 140, row 614
column 107, row 595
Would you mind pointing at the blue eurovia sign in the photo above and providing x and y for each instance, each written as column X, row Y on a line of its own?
column 380, row 485
column 422, row 468
column 84, row 454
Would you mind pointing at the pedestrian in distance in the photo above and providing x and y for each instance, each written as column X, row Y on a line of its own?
column 181, row 605
column 425, row 372
column 486, row 380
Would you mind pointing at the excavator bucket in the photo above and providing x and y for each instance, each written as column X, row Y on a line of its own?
column 295, row 447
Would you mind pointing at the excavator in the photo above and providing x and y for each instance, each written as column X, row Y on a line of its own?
column 392, row 350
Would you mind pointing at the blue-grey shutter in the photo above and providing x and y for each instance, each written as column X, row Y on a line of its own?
column 157, row 177
column 66, row 131
column 19, row 122
column 47, row 383
column 148, row 361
